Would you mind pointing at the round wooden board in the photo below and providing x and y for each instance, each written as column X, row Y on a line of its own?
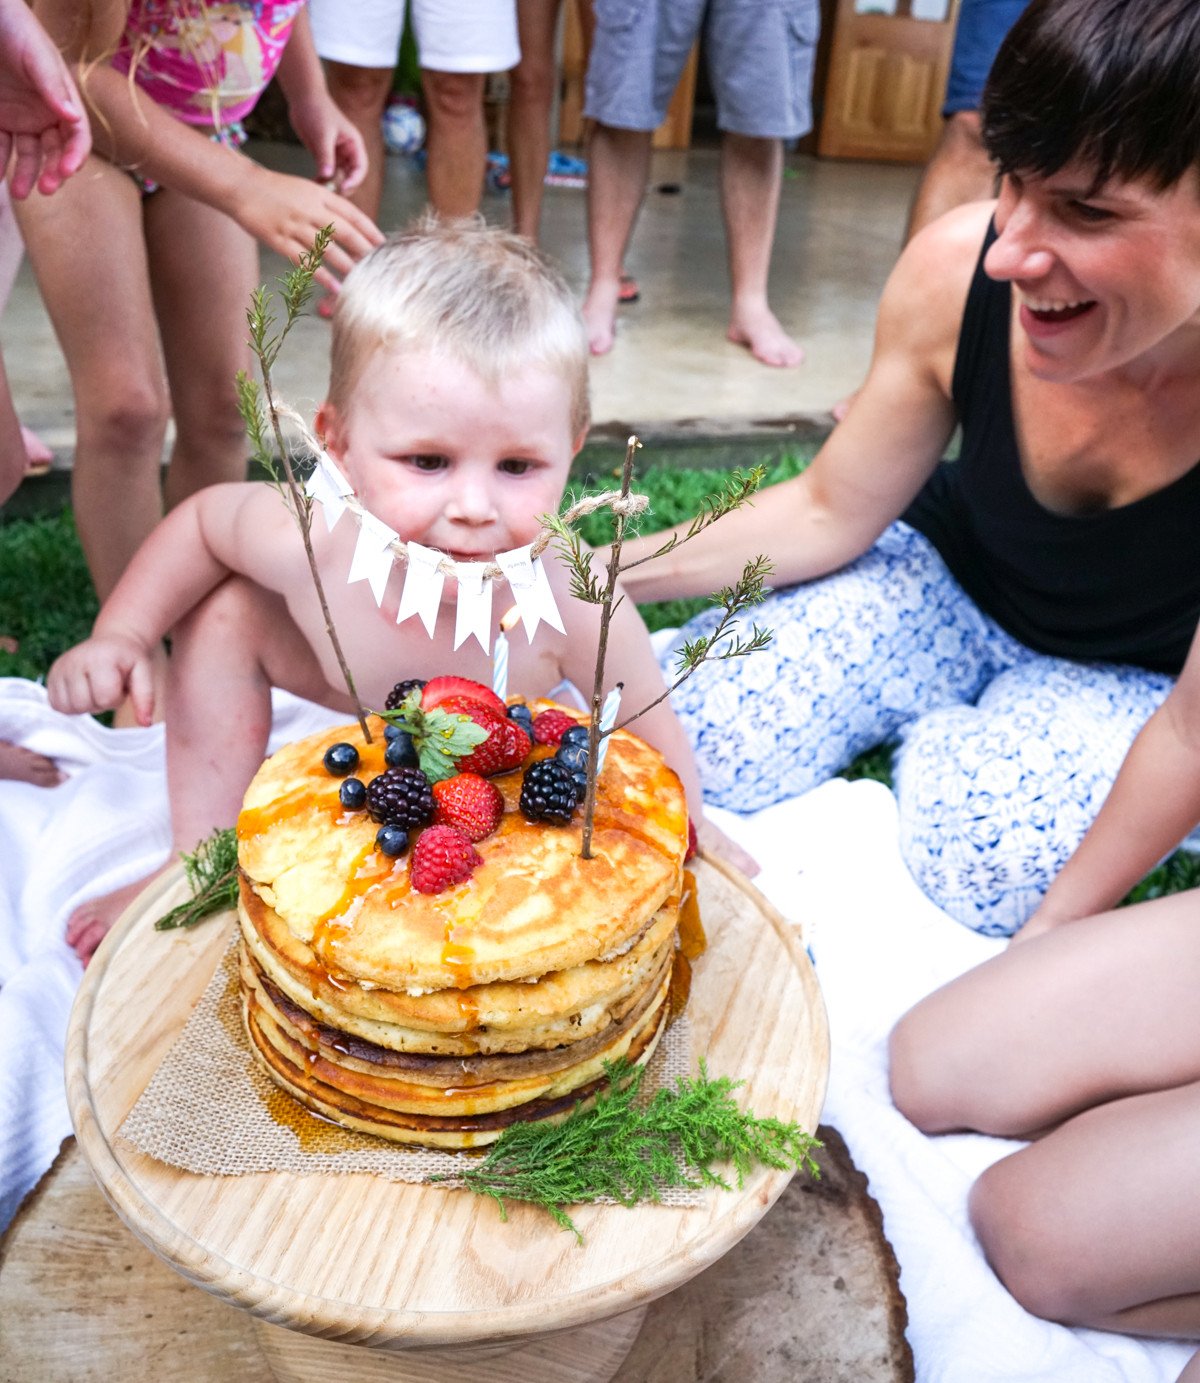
column 356, row 1258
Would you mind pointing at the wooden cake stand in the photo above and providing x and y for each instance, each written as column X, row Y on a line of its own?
column 431, row 1281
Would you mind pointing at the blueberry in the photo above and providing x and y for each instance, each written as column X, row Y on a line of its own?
column 392, row 840
column 577, row 734
column 353, row 794
column 390, row 731
column 573, row 757
column 523, row 717
column 400, row 752
column 341, row 759
column 580, row 781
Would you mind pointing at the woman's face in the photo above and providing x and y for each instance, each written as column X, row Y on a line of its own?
column 1103, row 279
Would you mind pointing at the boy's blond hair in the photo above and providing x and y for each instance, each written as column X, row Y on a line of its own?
column 482, row 295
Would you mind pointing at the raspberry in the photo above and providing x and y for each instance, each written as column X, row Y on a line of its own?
column 469, row 803
column 401, row 797
column 401, row 691
column 438, row 689
column 550, row 726
column 441, row 857
column 693, row 844
column 548, row 793
column 506, row 747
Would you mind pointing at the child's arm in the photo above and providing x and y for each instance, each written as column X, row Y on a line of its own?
column 132, row 131
column 1153, row 804
column 328, row 135
column 630, row 659
column 187, row 555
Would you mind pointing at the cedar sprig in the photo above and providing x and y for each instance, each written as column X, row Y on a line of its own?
column 628, row 1150
column 212, row 873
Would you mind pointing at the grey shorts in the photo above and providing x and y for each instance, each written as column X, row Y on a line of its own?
column 760, row 61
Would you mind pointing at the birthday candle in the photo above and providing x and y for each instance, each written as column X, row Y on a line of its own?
column 500, row 654
column 608, row 718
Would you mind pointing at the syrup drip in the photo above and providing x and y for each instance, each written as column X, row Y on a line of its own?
column 681, row 985
column 692, row 941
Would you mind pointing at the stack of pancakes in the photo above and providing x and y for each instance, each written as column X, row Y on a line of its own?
column 441, row 1019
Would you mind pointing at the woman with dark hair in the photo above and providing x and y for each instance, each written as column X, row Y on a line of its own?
column 1012, row 617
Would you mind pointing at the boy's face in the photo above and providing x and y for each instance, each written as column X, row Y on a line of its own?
column 449, row 461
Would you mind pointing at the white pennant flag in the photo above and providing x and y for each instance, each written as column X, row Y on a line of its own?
column 372, row 560
column 329, row 488
column 531, row 590
column 422, row 594
column 474, row 612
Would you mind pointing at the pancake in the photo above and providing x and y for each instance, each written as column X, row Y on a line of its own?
column 440, row 1019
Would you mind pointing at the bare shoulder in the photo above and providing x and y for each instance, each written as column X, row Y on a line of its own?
column 250, row 526
column 923, row 301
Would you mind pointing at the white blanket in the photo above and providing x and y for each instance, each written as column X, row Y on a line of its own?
column 831, row 863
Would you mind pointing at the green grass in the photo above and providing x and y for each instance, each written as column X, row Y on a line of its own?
column 47, row 604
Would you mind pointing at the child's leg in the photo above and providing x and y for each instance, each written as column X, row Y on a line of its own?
column 855, row 657
column 995, row 797
column 87, row 248
column 203, row 269
column 227, row 654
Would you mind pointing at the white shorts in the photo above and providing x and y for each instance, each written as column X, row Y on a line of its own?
column 451, row 35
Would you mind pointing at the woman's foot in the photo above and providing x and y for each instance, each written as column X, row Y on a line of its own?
column 629, row 292
column 600, row 315
column 758, row 329
column 19, row 765
column 38, row 455
column 91, row 922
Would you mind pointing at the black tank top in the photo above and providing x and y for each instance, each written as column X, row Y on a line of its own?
column 1119, row 585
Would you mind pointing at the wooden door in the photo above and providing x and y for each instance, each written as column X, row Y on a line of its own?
column 887, row 79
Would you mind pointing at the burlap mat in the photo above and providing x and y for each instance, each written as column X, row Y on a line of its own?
column 210, row 1108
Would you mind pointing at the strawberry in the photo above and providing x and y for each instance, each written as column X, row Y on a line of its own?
column 441, row 857
column 550, row 726
column 693, row 844
column 506, row 747
column 469, row 803
column 439, row 689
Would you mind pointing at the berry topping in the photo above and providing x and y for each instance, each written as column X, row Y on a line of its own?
column 506, row 747
column 353, row 794
column 401, row 797
column 439, row 688
column 548, row 793
column 693, row 844
column 341, row 759
column 573, row 757
column 441, row 857
column 469, row 803
column 576, row 734
column 550, row 726
column 391, row 841
column 402, row 691
column 523, row 716
column 400, row 752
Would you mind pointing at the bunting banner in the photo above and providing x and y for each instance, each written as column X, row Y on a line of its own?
column 473, row 614
column 330, row 489
column 372, row 561
column 423, row 582
column 530, row 587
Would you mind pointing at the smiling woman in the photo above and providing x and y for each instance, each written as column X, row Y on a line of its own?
column 1014, row 617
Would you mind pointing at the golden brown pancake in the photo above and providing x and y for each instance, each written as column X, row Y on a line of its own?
column 440, row 1019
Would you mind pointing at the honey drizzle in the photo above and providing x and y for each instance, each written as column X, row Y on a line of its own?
column 692, row 940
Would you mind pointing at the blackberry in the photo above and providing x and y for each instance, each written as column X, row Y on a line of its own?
column 353, row 794
column 402, row 690
column 548, row 793
column 401, row 797
column 577, row 734
column 341, row 759
column 400, row 752
column 523, row 717
column 391, row 840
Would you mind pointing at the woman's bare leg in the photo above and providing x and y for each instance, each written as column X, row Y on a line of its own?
column 531, row 96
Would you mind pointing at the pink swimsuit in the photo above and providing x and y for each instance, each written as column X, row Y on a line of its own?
column 206, row 61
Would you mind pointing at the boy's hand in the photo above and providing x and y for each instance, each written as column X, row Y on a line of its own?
column 714, row 841
column 98, row 674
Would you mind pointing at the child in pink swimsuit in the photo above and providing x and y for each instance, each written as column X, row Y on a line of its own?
column 148, row 294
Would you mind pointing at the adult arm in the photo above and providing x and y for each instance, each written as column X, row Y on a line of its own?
column 874, row 462
column 131, row 130
column 1153, row 804
column 42, row 120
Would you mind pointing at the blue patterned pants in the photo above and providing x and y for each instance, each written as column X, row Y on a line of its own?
column 1005, row 755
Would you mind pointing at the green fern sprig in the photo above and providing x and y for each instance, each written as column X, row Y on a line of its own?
column 626, row 1150
column 212, row 873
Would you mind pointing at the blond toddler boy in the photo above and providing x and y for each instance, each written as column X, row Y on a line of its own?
column 458, row 399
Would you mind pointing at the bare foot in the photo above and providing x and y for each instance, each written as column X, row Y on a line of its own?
column 90, row 923
column 600, row 315
column 37, row 454
column 24, row 766
column 758, row 329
